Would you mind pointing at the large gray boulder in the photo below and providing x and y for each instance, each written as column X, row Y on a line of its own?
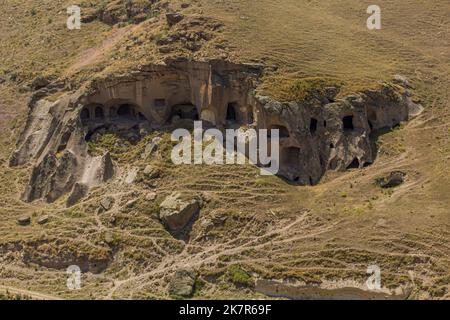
column 392, row 180
column 183, row 283
column 177, row 210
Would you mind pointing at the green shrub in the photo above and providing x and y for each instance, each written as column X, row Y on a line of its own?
column 238, row 276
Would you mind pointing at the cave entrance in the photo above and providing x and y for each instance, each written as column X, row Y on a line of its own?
column 354, row 164
column 313, row 125
column 282, row 130
column 184, row 111
column 125, row 110
column 85, row 115
column 347, row 123
column 98, row 113
column 231, row 112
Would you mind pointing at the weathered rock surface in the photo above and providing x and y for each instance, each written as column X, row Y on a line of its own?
column 151, row 147
column 39, row 82
column 177, row 210
column 120, row 11
column 151, row 196
column 173, row 18
column 182, row 283
column 317, row 134
column 392, row 180
column 43, row 219
column 151, row 172
column 107, row 203
column 79, row 191
column 60, row 256
column 24, row 221
column 52, row 178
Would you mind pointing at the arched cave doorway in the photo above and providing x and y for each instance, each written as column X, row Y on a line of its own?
column 184, row 111
column 347, row 123
column 125, row 110
column 98, row 113
column 85, row 115
column 232, row 112
column 282, row 131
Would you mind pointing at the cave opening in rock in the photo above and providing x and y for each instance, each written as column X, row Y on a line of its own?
column 313, row 125
column 231, row 112
column 125, row 110
column 184, row 111
column 354, row 164
column 282, row 131
column 98, row 129
column 85, row 114
column 98, row 113
column 347, row 122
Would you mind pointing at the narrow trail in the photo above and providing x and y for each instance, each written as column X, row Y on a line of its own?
column 28, row 293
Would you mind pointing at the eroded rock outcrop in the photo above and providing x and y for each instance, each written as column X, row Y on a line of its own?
column 317, row 134
column 182, row 283
column 60, row 256
column 121, row 11
column 177, row 210
column 321, row 134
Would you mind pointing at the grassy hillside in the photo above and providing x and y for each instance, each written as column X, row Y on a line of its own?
column 330, row 232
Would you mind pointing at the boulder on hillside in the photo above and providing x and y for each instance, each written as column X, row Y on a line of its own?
column 107, row 203
column 182, row 283
column 173, row 18
column 392, row 180
column 177, row 210
column 40, row 82
column 43, row 219
column 24, row 221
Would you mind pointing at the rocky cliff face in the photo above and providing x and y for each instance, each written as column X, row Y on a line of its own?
column 322, row 134
column 318, row 134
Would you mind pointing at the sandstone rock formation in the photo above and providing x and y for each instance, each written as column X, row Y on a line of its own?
column 117, row 11
column 317, row 134
column 107, row 203
column 183, row 282
column 173, row 18
column 393, row 179
column 176, row 211
column 24, row 221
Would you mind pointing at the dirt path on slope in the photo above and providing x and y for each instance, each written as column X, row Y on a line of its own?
column 32, row 294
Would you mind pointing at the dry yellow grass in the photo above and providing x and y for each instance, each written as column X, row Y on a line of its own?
column 331, row 231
